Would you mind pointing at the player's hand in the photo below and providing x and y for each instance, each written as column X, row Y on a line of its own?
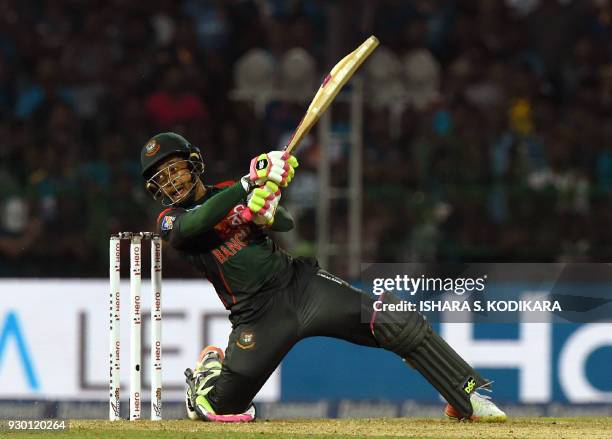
column 263, row 202
column 276, row 166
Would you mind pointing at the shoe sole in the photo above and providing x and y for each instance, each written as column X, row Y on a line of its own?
column 452, row 414
column 493, row 419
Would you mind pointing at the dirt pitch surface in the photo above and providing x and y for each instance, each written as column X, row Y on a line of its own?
column 583, row 428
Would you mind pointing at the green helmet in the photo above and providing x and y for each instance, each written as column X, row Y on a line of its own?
column 159, row 148
column 164, row 145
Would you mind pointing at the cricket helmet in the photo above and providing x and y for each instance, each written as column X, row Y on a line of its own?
column 159, row 148
column 164, row 145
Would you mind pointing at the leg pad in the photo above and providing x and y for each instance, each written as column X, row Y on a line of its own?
column 411, row 337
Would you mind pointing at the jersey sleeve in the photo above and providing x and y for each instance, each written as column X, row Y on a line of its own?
column 204, row 217
column 283, row 221
column 180, row 226
column 168, row 222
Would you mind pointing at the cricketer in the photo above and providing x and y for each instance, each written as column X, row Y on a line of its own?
column 275, row 300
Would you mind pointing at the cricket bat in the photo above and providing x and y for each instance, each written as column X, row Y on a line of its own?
column 329, row 89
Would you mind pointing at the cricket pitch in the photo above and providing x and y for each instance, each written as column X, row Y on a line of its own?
column 568, row 428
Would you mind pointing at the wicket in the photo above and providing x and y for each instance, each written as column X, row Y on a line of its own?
column 135, row 324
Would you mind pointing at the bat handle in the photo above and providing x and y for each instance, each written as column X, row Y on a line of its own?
column 246, row 214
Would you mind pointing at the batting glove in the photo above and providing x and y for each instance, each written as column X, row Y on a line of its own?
column 276, row 166
column 263, row 202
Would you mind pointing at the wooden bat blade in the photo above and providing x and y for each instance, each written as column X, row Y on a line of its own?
column 329, row 89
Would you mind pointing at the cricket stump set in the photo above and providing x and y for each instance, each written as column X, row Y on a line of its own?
column 135, row 324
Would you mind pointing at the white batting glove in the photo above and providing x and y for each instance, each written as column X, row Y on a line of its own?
column 276, row 166
column 263, row 202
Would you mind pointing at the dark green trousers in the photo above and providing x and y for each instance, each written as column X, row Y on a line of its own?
column 315, row 303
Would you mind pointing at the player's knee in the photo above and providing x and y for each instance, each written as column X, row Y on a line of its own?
column 398, row 331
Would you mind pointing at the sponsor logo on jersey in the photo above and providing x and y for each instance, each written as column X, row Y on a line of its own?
column 235, row 231
column 168, row 222
column 233, row 222
column 152, row 148
column 229, row 248
column 235, row 217
column 246, row 340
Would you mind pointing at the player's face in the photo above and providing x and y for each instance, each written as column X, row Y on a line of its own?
column 174, row 178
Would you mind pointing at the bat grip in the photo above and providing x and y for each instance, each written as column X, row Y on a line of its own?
column 246, row 214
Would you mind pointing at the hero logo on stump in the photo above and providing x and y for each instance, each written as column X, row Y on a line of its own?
column 151, row 148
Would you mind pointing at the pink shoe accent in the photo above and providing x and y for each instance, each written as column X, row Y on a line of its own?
column 243, row 417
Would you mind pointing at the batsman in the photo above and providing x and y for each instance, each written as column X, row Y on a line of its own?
column 275, row 300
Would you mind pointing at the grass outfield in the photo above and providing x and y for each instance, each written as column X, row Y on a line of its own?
column 335, row 428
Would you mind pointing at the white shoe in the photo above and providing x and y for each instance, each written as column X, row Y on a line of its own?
column 210, row 356
column 191, row 413
column 484, row 410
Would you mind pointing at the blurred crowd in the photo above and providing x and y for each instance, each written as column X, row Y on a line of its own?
column 487, row 130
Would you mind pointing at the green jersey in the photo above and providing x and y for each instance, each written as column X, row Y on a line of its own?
column 237, row 256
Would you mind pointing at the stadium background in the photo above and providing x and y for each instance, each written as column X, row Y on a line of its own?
column 487, row 137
